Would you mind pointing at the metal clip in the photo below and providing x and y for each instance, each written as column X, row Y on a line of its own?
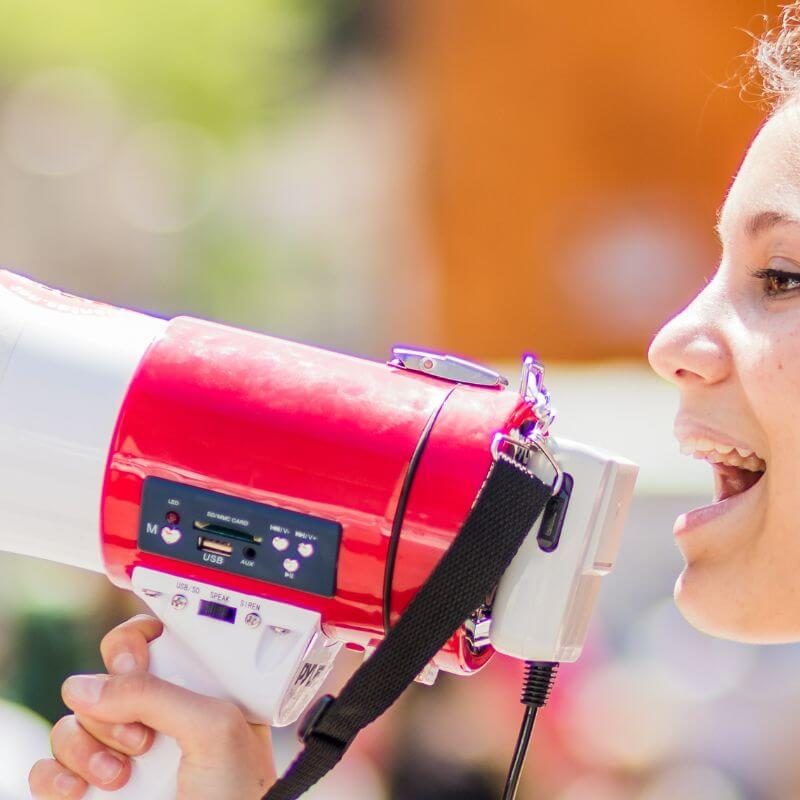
column 478, row 626
column 529, row 446
column 447, row 367
column 537, row 395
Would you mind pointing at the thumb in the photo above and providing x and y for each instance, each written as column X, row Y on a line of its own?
column 204, row 727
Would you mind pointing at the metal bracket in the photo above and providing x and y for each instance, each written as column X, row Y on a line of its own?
column 529, row 447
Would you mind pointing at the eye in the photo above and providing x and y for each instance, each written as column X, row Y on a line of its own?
column 777, row 282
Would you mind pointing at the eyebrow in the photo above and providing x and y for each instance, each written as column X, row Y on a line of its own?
column 765, row 220
column 760, row 222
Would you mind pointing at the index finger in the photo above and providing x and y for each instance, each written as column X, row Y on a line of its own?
column 125, row 648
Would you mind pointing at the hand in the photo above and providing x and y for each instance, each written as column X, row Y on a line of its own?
column 224, row 756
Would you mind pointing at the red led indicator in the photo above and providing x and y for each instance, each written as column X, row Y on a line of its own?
column 173, row 517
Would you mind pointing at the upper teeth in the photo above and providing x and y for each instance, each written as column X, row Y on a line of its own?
column 719, row 453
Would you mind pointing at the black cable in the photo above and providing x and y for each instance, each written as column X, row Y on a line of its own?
column 539, row 679
column 520, row 751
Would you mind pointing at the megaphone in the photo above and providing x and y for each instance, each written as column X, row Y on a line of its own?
column 273, row 502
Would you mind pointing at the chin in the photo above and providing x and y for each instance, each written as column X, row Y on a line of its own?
column 722, row 608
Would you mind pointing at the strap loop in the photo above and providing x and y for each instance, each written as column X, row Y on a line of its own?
column 313, row 717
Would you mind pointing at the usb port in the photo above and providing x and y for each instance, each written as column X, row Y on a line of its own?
column 209, row 545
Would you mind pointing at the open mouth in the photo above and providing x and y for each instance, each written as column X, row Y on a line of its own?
column 736, row 470
column 730, row 481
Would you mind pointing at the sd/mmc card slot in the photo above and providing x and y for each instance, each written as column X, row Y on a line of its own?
column 219, row 539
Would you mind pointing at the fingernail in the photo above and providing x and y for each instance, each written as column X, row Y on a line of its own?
column 66, row 784
column 104, row 766
column 132, row 736
column 86, row 688
column 124, row 662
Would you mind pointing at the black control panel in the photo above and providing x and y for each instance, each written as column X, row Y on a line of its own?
column 250, row 539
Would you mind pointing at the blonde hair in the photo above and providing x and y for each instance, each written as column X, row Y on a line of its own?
column 776, row 58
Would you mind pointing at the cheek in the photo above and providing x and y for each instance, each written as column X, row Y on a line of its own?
column 769, row 373
column 771, row 382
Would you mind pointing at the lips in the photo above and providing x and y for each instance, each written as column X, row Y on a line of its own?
column 735, row 513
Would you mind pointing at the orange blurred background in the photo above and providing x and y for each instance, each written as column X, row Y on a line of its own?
column 572, row 161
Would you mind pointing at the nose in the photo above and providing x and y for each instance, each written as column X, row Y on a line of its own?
column 691, row 348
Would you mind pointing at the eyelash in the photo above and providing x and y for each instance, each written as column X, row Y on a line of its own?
column 773, row 276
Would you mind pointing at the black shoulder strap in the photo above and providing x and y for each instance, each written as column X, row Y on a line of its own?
column 506, row 509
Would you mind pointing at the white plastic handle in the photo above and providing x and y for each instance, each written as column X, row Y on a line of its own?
column 154, row 775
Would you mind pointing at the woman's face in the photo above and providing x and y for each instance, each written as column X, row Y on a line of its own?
column 734, row 354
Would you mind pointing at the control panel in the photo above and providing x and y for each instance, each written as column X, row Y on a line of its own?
column 251, row 539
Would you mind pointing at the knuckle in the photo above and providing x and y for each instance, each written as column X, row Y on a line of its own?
column 130, row 636
column 132, row 685
column 123, row 694
column 142, row 619
column 141, row 628
column 133, row 738
column 117, row 639
column 63, row 729
column 230, row 725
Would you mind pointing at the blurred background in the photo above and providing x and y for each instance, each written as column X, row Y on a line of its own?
column 484, row 178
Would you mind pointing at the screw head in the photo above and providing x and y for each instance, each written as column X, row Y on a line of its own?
column 179, row 601
column 252, row 620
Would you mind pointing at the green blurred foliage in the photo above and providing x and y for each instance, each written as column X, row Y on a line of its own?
column 223, row 66
column 235, row 70
column 47, row 648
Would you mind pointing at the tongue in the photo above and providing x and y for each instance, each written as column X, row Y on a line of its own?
column 733, row 480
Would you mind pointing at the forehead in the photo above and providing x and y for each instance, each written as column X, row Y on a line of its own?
column 768, row 181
